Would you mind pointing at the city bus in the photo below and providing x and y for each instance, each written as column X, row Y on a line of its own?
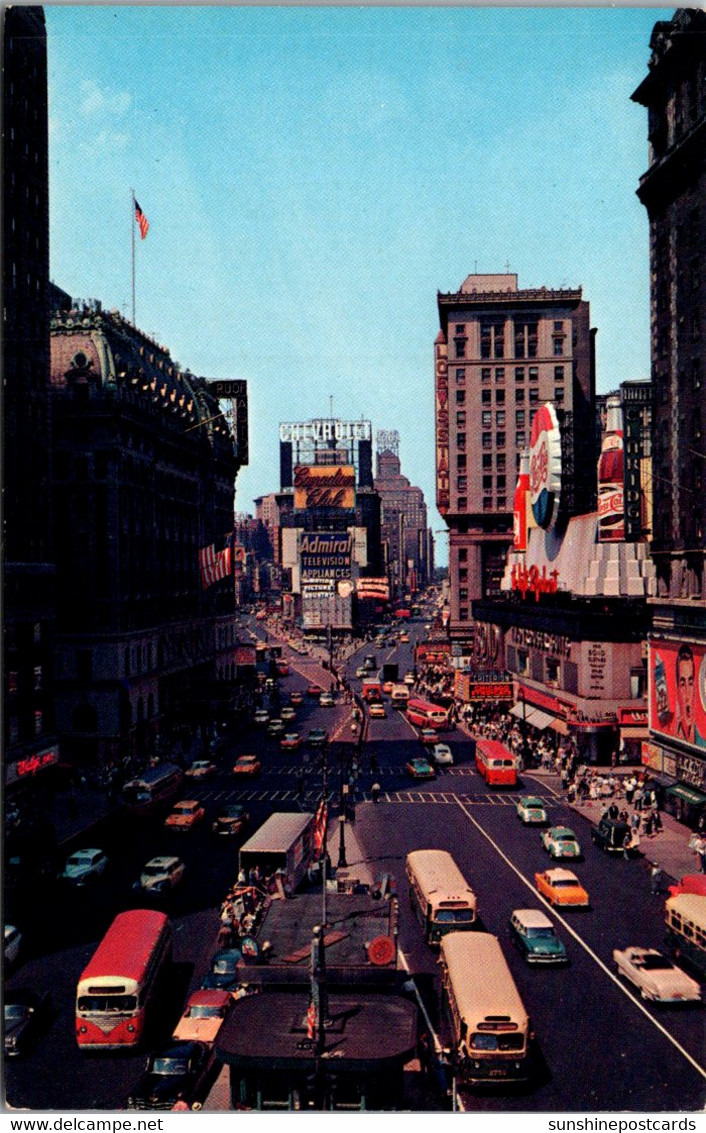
column 492, row 1039
column 439, row 894
column 372, row 689
column 399, row 696
column 116, row 988
column 686, row 929
column 495, row 764
column 427, row 715
column 156, row 787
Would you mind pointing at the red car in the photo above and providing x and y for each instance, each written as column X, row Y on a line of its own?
column 314, row 690
column 296, row 697
column 247, row 765
column 291, row 741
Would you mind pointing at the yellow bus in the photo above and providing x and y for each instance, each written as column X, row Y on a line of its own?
column 491, row 1029
column 686, row 929
column 439, row 894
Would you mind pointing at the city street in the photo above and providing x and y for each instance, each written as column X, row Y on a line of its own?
column 600, row 1047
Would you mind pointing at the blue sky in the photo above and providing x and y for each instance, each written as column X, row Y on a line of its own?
column 312, row 176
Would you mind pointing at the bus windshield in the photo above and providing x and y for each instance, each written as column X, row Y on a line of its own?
column 454, row 916
column 496, row 1042
column 100, row 1003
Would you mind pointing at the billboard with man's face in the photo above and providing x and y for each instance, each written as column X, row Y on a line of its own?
column 677, row 691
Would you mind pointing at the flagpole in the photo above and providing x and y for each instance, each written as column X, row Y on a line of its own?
column 132, row 232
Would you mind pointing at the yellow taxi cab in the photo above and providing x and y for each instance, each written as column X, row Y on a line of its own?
column 185, row 815
column 561, row 887
column 377, row 711
column 247, row 765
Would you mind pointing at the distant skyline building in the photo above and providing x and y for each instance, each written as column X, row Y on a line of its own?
column 405, row 532
column 500, row 354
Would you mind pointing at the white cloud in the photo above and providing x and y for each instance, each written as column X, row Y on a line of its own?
column 96, row 101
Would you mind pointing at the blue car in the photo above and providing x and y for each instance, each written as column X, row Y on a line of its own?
column 224, row 970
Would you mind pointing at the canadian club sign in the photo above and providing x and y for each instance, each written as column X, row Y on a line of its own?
column 324, row 486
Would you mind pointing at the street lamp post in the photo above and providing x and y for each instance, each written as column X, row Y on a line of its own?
column 342, row 863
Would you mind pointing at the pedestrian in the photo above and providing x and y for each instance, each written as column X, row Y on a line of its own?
column 699, row 846
column 627, row 845
column 658, row 821
column 629, row 790
column 656, row 877
column 613, row 810
column 638, row 797
column 375, row 791
column 649, row 825
column 635, row 820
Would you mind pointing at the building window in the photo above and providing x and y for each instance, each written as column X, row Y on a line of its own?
column 37, row 677
column 487, row 460
column 500, row 485
column 485, row 374
column 462, row 503
column 534, row 396
column 558, row 347
column 461, row 461
column 519, row 373
column 462, row 574
column 499, row 396
column 500, row 440
column 463, row 555
column 463, row 594
column 500, row 373
column 463, row 615
column 460, row 348
column 38, row 722
column 487, row 483
column 492, row 339
column 460, row 377
column 502, row 503
column 460, row 329
column 488, row 503
column 500, row 417
column 534, row 373
column 486, row 417
column 558, row 327
column 552, row 670
column 523, row 662
column 461, row 418
column 520, row 440
column 460, row 396
column 558, row 373
column 461, row 483
column 486, row 440
column 526, row 339
column 485, row 396
column 519, row 396
column 558, row 394
column 460, row 440
column 519, row 417
column 501, row 462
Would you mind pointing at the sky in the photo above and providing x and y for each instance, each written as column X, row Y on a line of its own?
column 312, row 177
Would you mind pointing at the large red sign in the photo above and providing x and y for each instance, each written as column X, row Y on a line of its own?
column 677, row 691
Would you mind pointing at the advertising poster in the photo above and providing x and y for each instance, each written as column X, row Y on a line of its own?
column 677, row 691
column 324, row 486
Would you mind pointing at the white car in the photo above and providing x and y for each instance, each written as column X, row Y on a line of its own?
column 326, row 700
column 442, row 754
column 84, row 866
column 655, row 976
column 160, row 874
column 408, row 678
column 288, row 713
column 201, row 769
column 13, row 943
column 530, row 810
column 261, row 716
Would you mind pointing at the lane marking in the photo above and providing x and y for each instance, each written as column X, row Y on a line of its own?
column 587, row 949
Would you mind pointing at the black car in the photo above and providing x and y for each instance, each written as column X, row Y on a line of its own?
column 610, row 835
column 230, row 820
column 317, row 737
column 224, row 970
column 26, row 1013
column 171, row 1077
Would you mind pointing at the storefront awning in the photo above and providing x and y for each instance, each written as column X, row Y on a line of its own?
column 560, row 726
column 634, row 733
column 519, row 710
column 539, row 719
column 689, row 794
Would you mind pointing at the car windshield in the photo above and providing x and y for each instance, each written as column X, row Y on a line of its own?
column 564, row 838
column 170, row 1066
column 80, row 859
column 564, row 883
column 541, row 933
column 232, row 812
column 154, row 870
column 654, row 963
column 205, row 1011
column 226, row 965
column 496, row 1042
column 106, row 1003
column 16, row 1011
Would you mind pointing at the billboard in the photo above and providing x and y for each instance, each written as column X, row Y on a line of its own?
column 378, row 588
column 442, row 429
column 545, row 467
column 324, row 486
column 325, row 554
column 677, row 691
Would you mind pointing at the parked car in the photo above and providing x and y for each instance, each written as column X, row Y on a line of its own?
column 261, row 716
column 185, row 815
column 442, row 755
column 317, row 738
column 387, row 687
column 610, row 835
column 408, row 678
column 561, row 887
column 420, row 769
column 296, row 697
column 314, row 690
column 534, row 934
column 530, row 811
column 275, row 727
column 689, row 883
column 84, row 866
column 201, row 769
column 26, row 1013
column 160, row 875
column 282, row 669
column 560, row 842
column 326, row 700
column 655, row 976
column 230, row 820
column 223, row 973
column 429, row 736
column 247, row 765
column 292, row 741
column 288, row 713
column 203, row 1016
column 171, row 1077
column 13, row 943
column 377, row 711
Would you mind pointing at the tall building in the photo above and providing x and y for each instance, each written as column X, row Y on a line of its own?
column 502, row 352
column 144, row 478
column 673, row 191
column 29, row 735
column 405, row 531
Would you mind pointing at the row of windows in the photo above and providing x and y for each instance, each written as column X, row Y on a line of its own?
column 487, row 374
column 525, row 339
column 519, row 396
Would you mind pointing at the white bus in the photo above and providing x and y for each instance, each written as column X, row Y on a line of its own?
column 399, row 696
column 490, row 1025
column 439, row 894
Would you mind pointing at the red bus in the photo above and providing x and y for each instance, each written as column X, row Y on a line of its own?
column 372, row 689
column 496, row 764
column 115, row 989
column 427, row 715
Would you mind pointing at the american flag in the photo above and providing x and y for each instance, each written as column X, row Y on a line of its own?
column 320, row 822
column 142, row 221
column 311, row 1021
column 214, row 564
